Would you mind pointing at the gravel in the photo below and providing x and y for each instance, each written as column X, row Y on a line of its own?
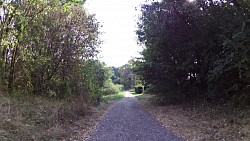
column 127, row 121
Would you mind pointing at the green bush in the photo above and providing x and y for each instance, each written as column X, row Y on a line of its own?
column 111, row 88
column 109, row 91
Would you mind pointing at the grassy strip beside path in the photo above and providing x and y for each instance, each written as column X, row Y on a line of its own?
column 201, row 121
column 113, row 97
column 35, row 118
column 138, row 96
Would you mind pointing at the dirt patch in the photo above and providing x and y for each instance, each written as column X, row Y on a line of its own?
column 201, row 122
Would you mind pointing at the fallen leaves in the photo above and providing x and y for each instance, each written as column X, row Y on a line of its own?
column 206, row 123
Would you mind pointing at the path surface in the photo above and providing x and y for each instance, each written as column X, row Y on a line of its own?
column 127, row 121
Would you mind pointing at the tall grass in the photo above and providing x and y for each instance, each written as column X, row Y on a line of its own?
column 34, row 118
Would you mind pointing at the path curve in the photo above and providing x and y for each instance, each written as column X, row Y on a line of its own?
column 127, row 121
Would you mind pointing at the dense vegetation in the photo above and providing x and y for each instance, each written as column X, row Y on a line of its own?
column 196, row 49
column 49, row 48
column 125, row 76
column 50, row 75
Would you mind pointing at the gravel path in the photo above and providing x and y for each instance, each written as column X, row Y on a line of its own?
column 127, row 121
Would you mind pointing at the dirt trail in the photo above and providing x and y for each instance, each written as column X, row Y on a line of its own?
column 127, row 121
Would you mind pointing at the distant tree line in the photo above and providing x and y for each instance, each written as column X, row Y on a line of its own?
column 125, row 76
column 197, row 49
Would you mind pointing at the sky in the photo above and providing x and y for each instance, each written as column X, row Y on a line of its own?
column 118, row 18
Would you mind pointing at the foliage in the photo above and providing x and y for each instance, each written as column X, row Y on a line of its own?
column 116, row 76
column 195, row 50
column 111, row 88
column 49, row 48
column 97, row 75
column 127, row 77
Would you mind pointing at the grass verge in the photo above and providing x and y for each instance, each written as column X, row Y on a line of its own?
column 34, row 118
column 195, row 122
column 113, row 97
column 138, row 96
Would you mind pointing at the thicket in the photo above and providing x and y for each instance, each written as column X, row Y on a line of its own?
column 111, row 88
column 124, row 76
column 196, row 50
column 127, row 77
column 48, row 48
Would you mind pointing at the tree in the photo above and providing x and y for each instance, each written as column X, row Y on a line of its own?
column 126, row 75
column 47, row 48
column 191, row 48
column 116, row 76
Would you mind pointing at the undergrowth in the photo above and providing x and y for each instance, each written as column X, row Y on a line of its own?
column 36, row 118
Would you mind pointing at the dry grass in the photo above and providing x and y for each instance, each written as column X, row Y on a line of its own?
column 33, row 118
column 202, row 122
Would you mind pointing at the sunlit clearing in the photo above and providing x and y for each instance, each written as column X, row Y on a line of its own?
column 128, row 94
column 191, row 0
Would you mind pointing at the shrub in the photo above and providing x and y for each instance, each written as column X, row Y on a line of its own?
column 138, row 89
column 111, row 88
